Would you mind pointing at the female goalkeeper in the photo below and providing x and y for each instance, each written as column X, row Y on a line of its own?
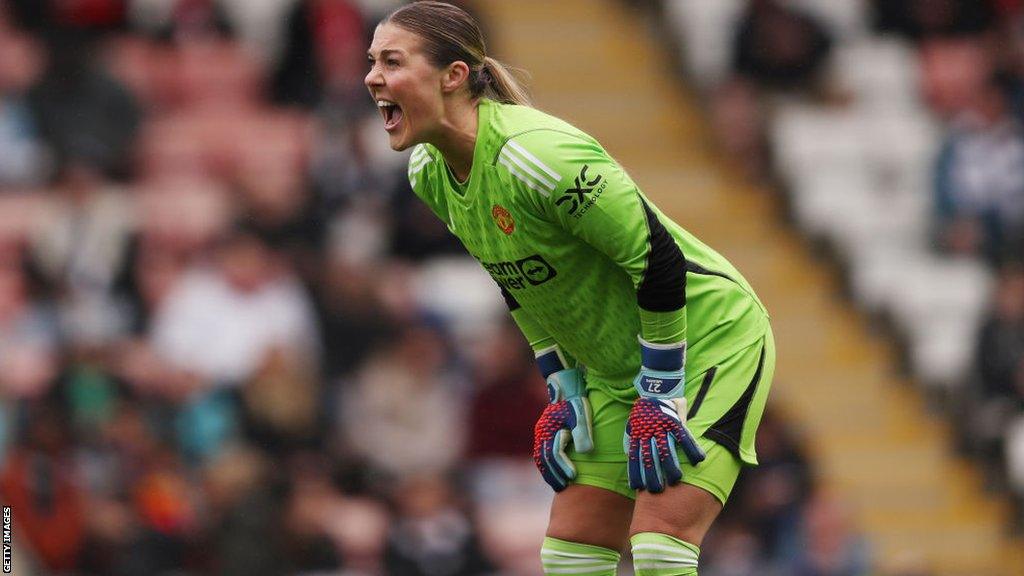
column 657, row 354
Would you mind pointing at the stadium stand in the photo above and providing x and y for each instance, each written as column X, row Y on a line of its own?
column 872, row 155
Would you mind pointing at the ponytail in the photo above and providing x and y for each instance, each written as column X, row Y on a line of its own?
column 450, row 34
column 501, row 85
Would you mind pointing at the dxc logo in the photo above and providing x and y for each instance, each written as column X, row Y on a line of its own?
column 583, row 187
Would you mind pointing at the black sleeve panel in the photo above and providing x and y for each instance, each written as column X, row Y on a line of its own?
column 663, row 288
column 510, row 300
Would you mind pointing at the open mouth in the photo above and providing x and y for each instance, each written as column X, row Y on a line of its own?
column 392, row 113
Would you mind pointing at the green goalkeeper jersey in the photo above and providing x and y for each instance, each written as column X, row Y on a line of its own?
column 583, row 258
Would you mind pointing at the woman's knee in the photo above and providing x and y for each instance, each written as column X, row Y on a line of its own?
column 591, row 515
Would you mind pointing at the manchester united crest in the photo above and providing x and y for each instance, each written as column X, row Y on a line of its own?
column 503, row 218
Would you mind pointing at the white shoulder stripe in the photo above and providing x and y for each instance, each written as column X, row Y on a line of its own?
column 542, row 179
column 418, row 152
column 523, row 177
column 414, row 168
column 534, row 160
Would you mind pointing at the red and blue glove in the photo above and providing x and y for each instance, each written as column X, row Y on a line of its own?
column 657, row 422
column 566, row 417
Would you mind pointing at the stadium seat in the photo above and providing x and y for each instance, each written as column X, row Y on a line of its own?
column 707, row 27
column 881, row 73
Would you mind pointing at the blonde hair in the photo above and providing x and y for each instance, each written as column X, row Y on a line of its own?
column 449, row 35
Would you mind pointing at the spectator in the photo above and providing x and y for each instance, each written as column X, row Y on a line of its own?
column 168, row 515
column 83, row 112
column 924, row 19
column 774, row 494
column 38, row 482
column 24, row 160
column 259, row 25
column 324, row 55
column 738, row 118
column 242, row 509
column 999, row 356
column 270, row 182
column 345, row 169
column 828, row 546
column 779, row 47
column 382, row 415
column 110, row 468
column 220, row 322
column 980, row 179
column 353, row 317
column 953, row 71
column 179, row 20
column 735, row 551
column 80, row 246
column 431, row 534
column 763, row 519
column 281, row 406
column 28, row 332
column 508, row 397
column 91, row 16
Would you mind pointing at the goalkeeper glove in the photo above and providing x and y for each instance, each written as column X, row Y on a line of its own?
column 657, row 422
column 566, row 416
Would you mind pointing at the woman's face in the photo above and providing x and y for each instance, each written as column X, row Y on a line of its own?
column 405, row 86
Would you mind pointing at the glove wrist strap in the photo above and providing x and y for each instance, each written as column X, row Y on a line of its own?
column 664, row 357
column 565, row 385
column 662, row 373
column 551, row 360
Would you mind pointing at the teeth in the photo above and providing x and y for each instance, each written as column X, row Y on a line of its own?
column 384, row 103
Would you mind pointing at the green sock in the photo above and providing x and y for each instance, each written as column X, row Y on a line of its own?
column 662, row 555
column 562, row 557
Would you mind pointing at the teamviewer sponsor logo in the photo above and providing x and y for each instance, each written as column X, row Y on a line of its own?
column 8, row 552
column 536, row 270
column 529, row 271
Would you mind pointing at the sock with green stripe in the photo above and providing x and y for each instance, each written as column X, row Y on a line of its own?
column 562, row 557
column 662, row 555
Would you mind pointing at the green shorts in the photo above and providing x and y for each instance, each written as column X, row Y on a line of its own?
column 725, row 407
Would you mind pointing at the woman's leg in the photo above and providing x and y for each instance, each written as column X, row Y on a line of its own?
column 668, row 529
column 587, row 529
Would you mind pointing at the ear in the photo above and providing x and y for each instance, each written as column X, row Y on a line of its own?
column 455, row 76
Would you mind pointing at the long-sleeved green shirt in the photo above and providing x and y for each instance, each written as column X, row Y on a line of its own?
column 583, row 258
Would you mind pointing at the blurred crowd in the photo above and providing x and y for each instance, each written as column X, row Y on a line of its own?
column 231, row 340
column 969, row 74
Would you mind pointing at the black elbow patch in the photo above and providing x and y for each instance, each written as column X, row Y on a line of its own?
column 663, row 288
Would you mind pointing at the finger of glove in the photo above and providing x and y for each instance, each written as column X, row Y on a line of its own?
column 670, row 463
column 653, row 477
column 551, row 473
column 694, row 453
column 551, row 477
column 582, row 432
column 634, row 467
column 558, row 455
